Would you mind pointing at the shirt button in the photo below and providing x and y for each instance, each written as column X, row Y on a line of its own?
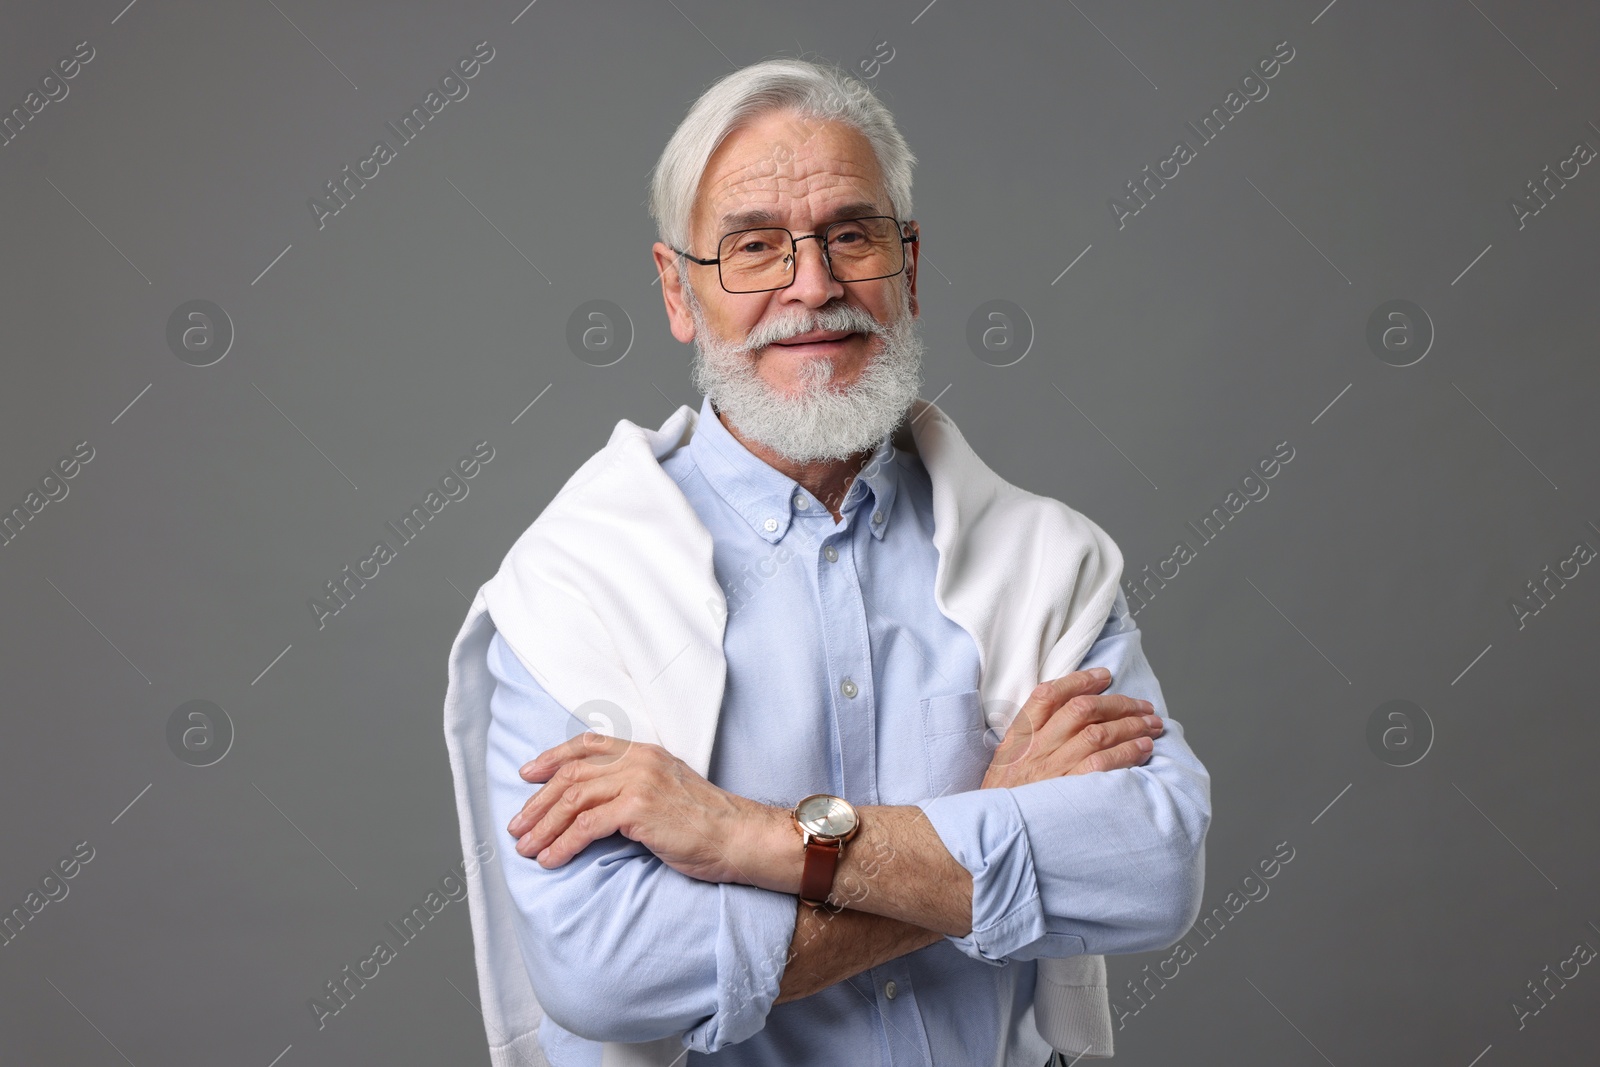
column 877, row 516
column 848, row 688
column 770, row 525
column 889, row 990
column 831, row 553
column 801, row 502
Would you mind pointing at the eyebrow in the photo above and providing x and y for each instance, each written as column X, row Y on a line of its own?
column 744, row 220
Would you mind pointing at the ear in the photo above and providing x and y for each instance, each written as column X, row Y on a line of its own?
column 678, row 316
column 911, row 263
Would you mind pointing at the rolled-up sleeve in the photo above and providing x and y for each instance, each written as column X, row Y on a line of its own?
column 1102, row 863
column 619, row 946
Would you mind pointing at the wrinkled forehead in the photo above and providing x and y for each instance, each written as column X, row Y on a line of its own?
column 783, row 169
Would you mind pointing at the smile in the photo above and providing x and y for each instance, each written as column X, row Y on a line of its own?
column 819, row 348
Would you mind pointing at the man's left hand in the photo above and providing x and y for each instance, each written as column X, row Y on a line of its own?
column 595, row 786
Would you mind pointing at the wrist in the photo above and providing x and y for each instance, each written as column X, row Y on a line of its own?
column 772, row 857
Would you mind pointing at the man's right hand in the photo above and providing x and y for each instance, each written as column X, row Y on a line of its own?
column 1070, row 726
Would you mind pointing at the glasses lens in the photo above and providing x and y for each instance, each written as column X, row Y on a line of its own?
column 862, row 249
column 753, row 260
column 859, row 249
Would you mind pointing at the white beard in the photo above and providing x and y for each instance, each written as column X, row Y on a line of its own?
column 821, row 423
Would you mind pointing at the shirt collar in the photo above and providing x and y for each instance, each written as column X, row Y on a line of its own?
column 765, row 497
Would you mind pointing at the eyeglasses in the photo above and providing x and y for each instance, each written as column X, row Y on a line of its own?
column 855, row 250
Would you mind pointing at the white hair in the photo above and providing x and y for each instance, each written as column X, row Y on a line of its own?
column 816, row 92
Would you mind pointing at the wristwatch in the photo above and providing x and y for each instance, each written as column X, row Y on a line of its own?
column 825, row 823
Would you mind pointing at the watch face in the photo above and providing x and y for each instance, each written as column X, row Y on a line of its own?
column 826, row 816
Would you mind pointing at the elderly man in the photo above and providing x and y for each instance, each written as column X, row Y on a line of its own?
column 796, row 623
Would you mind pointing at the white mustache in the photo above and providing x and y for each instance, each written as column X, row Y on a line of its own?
column 846, row 317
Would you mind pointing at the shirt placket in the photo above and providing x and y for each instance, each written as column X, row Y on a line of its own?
column 850, row 667
column 848, row 648
column 847, row 658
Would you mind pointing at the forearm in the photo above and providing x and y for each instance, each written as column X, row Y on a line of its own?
column 829, row 947
column 896, row 867
column 1103, row 862
column 1113, row 860
column 1119, row 857
column 619, row 946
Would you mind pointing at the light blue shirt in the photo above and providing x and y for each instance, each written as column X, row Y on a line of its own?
column 843, row 677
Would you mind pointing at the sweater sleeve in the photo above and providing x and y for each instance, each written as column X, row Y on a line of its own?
column 619, row 946
column 1107, row 862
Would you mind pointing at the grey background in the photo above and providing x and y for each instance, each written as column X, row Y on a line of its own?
column 1227, row 316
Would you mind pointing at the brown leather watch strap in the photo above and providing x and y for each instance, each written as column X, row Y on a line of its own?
column 816, row 877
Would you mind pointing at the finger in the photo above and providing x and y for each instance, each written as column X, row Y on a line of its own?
column 585, row 744
column 1076, row 715
column 587, row 826
column 1082, row 711
column 567, row 811
column 1100, row 736
column 1128, row 754
column 1048, row 696
column 564, row 777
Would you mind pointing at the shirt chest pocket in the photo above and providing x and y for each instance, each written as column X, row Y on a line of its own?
column 955, row 742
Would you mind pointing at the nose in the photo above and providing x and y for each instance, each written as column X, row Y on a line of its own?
column 813, row 284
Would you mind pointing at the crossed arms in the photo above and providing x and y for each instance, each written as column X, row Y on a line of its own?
column 661, row 884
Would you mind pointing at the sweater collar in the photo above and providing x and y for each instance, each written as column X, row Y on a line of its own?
column 768, row 499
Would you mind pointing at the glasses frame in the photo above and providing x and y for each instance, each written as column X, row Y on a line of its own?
column 794, row 252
